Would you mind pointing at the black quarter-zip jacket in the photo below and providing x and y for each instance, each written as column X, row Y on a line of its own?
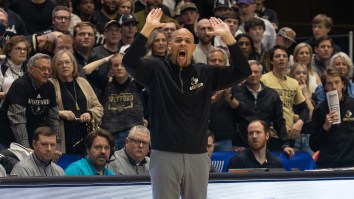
column 180, row 99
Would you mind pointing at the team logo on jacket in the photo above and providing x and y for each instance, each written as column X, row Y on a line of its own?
column 348, row 116
column 195, row 84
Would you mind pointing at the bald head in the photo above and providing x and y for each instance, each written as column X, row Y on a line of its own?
column 182, row 31
column 203, row 22
column 203, row 27
column 182, row 47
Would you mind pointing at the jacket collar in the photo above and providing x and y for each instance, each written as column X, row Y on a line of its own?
column 132, row 161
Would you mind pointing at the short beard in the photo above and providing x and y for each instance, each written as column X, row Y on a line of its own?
column 206, row 41
column 259, row 147
column 108, row 10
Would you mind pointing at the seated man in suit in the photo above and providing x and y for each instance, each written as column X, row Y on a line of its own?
column 257, row 155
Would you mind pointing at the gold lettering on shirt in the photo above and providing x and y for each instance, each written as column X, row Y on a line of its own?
column 120, row 102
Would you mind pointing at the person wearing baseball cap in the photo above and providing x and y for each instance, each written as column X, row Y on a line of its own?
column 285, row 37
column 267, row 13
column 127, row 18
column 129, row 26
column 247, row 9
column 189, row 13
column 112, row 35
column 220, row 7
column 189, row 18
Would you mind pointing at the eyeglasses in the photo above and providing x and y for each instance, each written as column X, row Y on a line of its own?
column 210, row 145
column 62, row 18
column 44, row 69
column 20, row 50
column 138, row 142
column 66, row 63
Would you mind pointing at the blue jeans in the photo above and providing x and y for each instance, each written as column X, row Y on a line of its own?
column 302, row 143
column 119, row 139
column 223, row 145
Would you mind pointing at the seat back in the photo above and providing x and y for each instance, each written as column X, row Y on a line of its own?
column 67, row 159
column 220, row 160
column 301, row 160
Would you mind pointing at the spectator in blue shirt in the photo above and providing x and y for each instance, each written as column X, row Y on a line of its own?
column 99, row 145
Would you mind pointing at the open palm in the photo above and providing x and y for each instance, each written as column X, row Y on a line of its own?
column 154, row 18
column 219, row 27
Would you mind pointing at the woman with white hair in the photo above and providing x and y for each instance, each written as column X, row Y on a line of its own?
column 342, row 62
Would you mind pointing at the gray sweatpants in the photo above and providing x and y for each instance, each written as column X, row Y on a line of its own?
column 175, row 174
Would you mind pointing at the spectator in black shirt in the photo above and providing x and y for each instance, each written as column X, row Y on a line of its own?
column 257, row 155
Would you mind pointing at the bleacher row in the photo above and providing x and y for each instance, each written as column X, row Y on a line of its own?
column 301, row 161
column 220, row 160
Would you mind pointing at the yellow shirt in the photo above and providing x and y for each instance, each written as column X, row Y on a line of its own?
column 290, row 94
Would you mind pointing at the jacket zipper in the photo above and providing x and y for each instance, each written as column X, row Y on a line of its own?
column 180, row 79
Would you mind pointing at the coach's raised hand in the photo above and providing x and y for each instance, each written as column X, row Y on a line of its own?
column 221, row 29
column 152, row 22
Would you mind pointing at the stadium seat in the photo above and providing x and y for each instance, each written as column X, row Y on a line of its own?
column 221, row 160
column 301, row 161
column 67, row 159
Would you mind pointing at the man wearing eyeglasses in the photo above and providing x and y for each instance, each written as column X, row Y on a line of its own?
column 112, row 35
column 30, row 103
column 132, row 159
column 61, row 18
column 108, row 12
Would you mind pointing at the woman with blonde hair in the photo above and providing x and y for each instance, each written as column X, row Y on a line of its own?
column 156, row 44
column 303, row 55
column 77, row 102
column 300, row 72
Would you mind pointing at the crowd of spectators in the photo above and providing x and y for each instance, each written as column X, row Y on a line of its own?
column 64, row 88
